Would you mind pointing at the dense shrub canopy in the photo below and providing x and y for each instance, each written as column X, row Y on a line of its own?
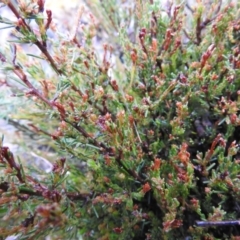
column 145, row 129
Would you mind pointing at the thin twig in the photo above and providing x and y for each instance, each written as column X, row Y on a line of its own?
column 132, row 173
column 189, row 8
column 37, row 43
column 32, row 90
column 89, row 101
column 88, row 136
column 201, row 26
column 8, row 156
column 77, row 23
column 38, row 130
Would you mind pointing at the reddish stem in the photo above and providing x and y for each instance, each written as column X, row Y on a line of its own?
column 37, row 43
column 8, row 156
column 33, row 91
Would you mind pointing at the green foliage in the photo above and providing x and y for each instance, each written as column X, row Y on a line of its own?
column 146, row 129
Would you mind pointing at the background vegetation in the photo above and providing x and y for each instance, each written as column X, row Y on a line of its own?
column 143, row 132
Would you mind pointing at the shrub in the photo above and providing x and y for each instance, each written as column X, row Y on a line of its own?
column 154, row 116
